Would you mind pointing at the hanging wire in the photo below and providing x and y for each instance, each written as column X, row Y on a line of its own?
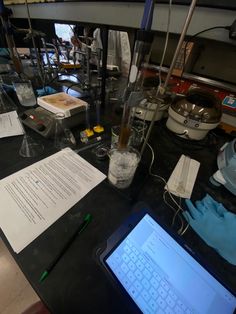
column 175, row 211
column 194, row 36
column 179, row 208
column 72, row 85
column 179, row 45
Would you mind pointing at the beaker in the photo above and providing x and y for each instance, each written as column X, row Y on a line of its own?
column 138, row 128
column 25, row 93
column 115, row 133
column 63, row 136
column 122, row 166
column 6, row 104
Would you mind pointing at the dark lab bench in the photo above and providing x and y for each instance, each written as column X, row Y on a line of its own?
column 78, row 283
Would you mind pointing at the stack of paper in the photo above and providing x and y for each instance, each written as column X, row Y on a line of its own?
column 35, row 197
column 10, row 124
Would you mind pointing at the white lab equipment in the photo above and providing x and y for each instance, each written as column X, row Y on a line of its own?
column 195, row 115
column 226, row 162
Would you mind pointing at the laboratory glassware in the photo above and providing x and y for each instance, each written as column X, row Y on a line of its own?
column 25, row 93
column 30, row 147
column 122, row 166
column 6, row 104
column 63, row 136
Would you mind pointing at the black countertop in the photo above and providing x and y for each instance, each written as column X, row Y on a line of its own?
column 78, row 284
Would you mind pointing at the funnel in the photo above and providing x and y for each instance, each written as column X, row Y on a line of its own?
column 63, row 136
column 30, row 148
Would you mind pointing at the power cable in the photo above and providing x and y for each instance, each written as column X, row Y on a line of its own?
column 181, row 231
column 74, row 84
column 194, row 36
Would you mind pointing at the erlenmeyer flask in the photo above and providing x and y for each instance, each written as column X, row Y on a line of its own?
column 30, row 147
column 6, row 104
column 63, row 136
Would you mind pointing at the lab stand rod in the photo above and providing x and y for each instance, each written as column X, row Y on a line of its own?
column 7, row 28
column 33, row 42
column 178, row 48
column 180, row 43
column 141, row 54
column 47, row 55
column 11, row 45
column 104, row 38
column 88, row 71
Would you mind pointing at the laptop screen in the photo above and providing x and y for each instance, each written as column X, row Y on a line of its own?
column 161, row 277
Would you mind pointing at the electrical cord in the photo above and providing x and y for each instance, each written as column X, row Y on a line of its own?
column 64, row 74
column 194, row 36
column 209, row 140
column 185, row 229
column 184, row 133
column 180, row 231
column 69, row 87
column 167, row 191
column 163, row 55
column 176, row 212
column 69, row 74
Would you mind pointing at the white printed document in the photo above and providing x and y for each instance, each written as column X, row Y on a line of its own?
column 33, row 198
column 10, row 124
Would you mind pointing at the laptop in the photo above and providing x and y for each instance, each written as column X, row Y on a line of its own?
column 157, row 274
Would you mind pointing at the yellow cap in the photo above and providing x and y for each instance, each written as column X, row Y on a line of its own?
column 98, row 129
column 89, row 132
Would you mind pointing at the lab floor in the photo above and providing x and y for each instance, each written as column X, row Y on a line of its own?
column 16, row 294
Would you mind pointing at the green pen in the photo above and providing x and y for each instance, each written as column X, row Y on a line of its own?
column 80, row 229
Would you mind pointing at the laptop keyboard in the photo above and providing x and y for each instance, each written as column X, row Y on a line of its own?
column 145, row 284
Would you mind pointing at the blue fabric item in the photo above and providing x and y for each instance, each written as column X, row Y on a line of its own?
column 47, row 90
column 214, row 224
column 4, row 56
column 7, row 88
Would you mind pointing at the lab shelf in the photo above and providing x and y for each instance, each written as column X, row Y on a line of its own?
column 129, row 14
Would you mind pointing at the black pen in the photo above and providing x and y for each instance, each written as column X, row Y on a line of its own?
column 84, row 224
